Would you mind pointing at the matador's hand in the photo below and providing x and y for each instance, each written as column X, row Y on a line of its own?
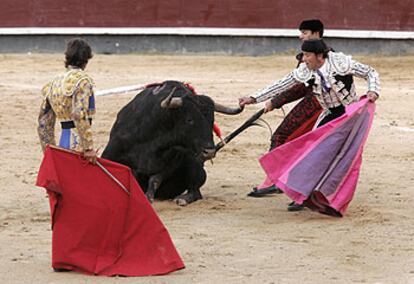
column 372, row 96
column 268, row 106
column 246, row 101
column 90, row 155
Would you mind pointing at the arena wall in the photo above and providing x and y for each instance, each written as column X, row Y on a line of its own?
column 215, row 26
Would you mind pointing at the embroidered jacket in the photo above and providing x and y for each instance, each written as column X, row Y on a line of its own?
column 69, row 99
column 342, row 91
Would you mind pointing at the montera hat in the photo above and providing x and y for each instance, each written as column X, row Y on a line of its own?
column 314, row 45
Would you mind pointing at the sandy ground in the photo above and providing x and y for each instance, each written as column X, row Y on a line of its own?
column 227, row 237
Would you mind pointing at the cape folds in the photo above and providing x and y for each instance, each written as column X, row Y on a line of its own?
column 97, row 227
column 321, row 168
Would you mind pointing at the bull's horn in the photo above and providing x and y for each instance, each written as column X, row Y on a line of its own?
column 227, row 110
column 170, row 102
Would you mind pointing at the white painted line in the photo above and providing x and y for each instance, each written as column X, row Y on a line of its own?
column 205, row 32
column 20, row 86
column 405, row 129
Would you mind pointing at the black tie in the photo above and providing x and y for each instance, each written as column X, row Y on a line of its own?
column 325, row 87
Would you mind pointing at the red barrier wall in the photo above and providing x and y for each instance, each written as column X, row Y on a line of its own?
column 350, row 14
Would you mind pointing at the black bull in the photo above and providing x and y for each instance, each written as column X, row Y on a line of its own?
column 164, row 135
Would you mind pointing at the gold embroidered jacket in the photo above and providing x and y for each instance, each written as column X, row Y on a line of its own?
column 69, row 98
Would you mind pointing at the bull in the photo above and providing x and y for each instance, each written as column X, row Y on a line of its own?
column 165, row 134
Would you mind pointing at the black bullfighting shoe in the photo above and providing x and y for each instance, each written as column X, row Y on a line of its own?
column 260, row 192
column 331, row 212
column 61, row 270
column 293, row 206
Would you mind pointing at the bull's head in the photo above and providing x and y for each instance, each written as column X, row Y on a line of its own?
column 198, row 122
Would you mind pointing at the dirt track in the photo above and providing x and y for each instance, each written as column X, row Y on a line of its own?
column 227, row 237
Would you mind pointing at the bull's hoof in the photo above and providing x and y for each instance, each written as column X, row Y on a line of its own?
column 150, row 197
column 185, row 199
column 181, row 201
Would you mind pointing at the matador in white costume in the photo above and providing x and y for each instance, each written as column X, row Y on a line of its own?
column 329, row 74
column 328, row 78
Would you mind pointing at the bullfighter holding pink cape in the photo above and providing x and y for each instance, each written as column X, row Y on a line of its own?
column 320, row 169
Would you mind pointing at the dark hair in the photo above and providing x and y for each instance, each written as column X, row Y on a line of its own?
column 317, row 46
column 313, row 25
column 78, row 52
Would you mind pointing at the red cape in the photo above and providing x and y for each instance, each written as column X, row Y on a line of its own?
column 97, row 227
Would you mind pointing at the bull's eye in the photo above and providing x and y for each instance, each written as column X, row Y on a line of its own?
column 190, row 121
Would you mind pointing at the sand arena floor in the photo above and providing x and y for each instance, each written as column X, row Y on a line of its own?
column 227, row 237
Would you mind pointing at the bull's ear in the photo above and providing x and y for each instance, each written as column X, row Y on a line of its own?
column 170, row 102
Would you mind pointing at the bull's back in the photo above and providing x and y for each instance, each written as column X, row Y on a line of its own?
column 140, row 121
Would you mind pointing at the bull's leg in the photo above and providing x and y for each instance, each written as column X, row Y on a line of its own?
column 184, row 172
column 154, row 183
column 173, row 175
column 195, row 177
column 189, row 197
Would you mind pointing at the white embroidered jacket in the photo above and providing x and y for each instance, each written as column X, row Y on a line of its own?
column 339, row 67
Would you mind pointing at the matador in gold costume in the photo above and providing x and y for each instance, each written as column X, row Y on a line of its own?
column 69, row 98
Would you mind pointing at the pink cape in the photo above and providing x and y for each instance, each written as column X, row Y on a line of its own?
column 98, row 228
column 321, row 168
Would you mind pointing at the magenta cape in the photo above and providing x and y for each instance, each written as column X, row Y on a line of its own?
column 321, row 168
column 97, row 227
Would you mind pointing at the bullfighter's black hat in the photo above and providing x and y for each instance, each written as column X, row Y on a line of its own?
column 314, row 45
column 314, row 25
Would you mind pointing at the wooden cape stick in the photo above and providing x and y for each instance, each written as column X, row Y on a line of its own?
column 97, row 163
column 112, row 177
